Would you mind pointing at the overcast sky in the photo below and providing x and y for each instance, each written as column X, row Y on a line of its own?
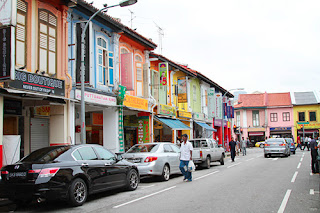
column 259, row 45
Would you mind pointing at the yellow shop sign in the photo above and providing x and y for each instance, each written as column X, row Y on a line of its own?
column 135, row 102
column 309, row 126
column 166, row 110
column 183, row 114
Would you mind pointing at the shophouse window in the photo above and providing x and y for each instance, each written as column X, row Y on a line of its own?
column 312, row 116
column 138, row 61
column 47, row 42
column 286, row 116
column 105, row 63
column 255, row 118
column 301, row 116
column 273, row 117
column 21, row 33
column 238, row 119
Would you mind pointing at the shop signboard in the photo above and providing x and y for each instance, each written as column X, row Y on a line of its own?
column 183, row 114
column 163, row 69
column 95, row 98
column 135, row 102
column 211, row 103
column 166, row 110
column 309, row 126
column 143, row 129
column 8, row 13
column 42, row 110
column 218, row 122
column 7, row 53
column 280, row 129
column 218, row 106
column 38, row 83
column 182, row 90
column 198, row 116
column 126, row 68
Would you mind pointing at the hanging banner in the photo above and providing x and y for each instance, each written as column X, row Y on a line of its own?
column 182, row 90
column 126, row 70
column 79, row 29
column 8, row 13
column 7, row 71
column 218, row 106
column 211, row 103
column 163, row 69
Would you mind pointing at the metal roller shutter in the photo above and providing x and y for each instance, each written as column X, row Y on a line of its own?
column 39, row 133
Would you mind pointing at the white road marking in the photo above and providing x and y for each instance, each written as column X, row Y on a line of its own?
column 298, row 167
column 250, row 159
column 144, row 187
column 284, row 201
column 233, row 165
column 294, row 177
column 275, row 159
column 301, row 159
column 312, row 191
column 206, row 175
column 144, row 197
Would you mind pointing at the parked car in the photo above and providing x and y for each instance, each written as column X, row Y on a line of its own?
column 291, row 144
column 205, row 151
column 260, row 144
column 66, row 172
column 276, row 146
column 155, row 159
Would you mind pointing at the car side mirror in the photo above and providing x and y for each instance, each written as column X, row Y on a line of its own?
column 119, row 156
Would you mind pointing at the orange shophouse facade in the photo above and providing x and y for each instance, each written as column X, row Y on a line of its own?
column 34, row 96
column 135, row 76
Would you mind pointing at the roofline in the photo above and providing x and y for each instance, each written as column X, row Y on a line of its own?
column 235, row 108
column 118, row 27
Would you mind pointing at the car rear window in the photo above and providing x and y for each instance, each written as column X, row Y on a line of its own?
column 45, row 155
column 289, row 140
column 199, row 143
column 143, row 148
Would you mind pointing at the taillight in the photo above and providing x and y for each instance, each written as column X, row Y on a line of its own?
column 49, row 172
column 266, row 144
column 4, row 172
column 150, row 159
column 201, row 154
column 292, row 144
column 283, row 144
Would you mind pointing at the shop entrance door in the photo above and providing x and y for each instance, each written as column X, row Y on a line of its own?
column 39, row 133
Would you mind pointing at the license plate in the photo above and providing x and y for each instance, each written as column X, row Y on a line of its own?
column 134, row 160
column 17, row 174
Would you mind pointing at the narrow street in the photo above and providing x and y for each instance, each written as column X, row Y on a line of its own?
column 251, row 184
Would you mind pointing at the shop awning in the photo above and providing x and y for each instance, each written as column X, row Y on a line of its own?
column 256, row 133
column 206, row 126
column 173, row 123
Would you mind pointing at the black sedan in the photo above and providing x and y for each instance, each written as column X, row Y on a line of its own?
column 66, row 172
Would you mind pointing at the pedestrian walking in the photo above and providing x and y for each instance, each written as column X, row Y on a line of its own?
column 185, row 156
column 299, row 142
column 308, row 143
column 314, row 154
column 244, row 146
column 232, row 145
column 238, row 147
column 248, row 142
column 304, row 141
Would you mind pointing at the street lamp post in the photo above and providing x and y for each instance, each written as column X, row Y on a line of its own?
column 122, row 3
column 223, row 113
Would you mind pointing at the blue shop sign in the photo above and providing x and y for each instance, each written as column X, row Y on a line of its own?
column 280, row 129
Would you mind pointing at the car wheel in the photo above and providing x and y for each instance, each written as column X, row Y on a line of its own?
column 266, row 156
column 261, row 145
column 207, row 164
column 165, row 173
column 133, row 180
column 22, row 203
column 78, row 192
column 222, row 160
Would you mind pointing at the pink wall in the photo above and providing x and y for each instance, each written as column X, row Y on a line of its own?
column 249, row 117
column 280, row 122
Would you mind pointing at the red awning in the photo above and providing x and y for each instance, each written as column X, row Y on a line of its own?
column 256, row 133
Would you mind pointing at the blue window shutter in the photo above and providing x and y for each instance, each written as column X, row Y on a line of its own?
column 111, row 68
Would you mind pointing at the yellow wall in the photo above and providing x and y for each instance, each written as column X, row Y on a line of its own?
column 182, row 106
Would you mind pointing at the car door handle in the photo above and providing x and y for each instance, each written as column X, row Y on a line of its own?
column 85, row 164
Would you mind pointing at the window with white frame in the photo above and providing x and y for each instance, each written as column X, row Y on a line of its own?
column 273, row 117
column 47, row 42
column 238, row 119
column 255, row 118
column 286, row 116
column 21, row 33
column 105, row 63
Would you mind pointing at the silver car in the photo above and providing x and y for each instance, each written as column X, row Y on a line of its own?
column 276, row 146
column 156, row 159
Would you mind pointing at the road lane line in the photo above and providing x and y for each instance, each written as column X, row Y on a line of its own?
column 284, row 201
column 144, row 187
column 206, row 175
column 233, row 165
column 312, row 191
column 301, row 159
column 275, row 159
column 144, row 197
column 250, row 159
column 294, row 177
column 298, row 167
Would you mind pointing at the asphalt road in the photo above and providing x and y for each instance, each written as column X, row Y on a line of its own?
column 250, row 184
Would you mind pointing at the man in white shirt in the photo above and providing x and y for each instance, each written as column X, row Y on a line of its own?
column 185, row 156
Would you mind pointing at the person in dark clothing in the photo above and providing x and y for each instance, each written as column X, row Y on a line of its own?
column 314, row 154
column 232, row 145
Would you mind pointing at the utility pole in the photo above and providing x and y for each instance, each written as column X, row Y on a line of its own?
column 132, row 13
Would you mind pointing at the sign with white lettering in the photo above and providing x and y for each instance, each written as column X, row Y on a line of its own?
column 38, row 83
column 6, row 54
column 97, row 98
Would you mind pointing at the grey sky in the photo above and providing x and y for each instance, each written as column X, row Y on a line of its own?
column 259, row 45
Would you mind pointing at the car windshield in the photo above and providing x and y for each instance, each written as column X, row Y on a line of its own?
column 143, row 148
column 289, row 140
column 45, row 155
